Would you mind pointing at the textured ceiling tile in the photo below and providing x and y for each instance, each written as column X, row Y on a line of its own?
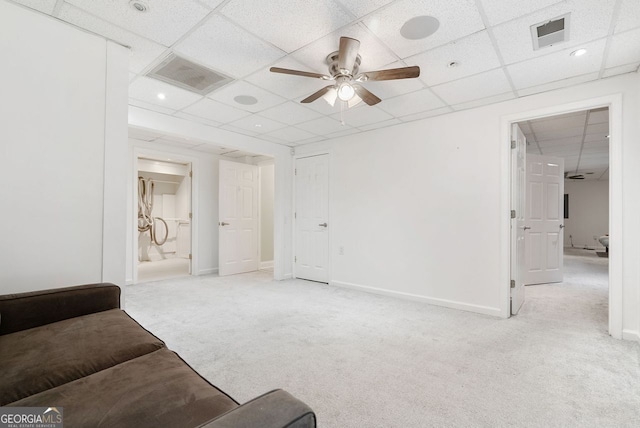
column 555, row 123
column 143, row 51
column 485, row 101
column 558, row 84
column 623, row 69
column 165, row 21
column 498, row 11
column 143, row 134
column 226, row 47
column 597, row 128
column 45, row 6
column 557, row 66
column 286, row 85
column 152, row 107
column 212, row 3
column 215, row 111
column 362, row 7
column 291, row 113
column 343, row 133
column 553, row 141
column 473, row 54
column 323, row 126
column 291, row 134
column 415, row 102
column 378, row 125
column 258, row 124
column 624, row 49
column 476, row 87
column 237, row 130
column 209, row 148
column 147, row 89
column 557, row 134
column 228, row 93
column 629, row 16
column 302, row 21
column 590, row 20
column 457, row 19
column 362, row 115
column 426, row 114
column 193, row 118
column 373, row 53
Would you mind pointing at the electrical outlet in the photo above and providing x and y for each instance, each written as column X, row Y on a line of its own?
column 341, row 250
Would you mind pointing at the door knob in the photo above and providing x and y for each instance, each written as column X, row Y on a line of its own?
column 224, row 224
column 562, row 226
column 323, row 224
column 526, row 227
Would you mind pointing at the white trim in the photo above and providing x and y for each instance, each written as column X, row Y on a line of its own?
column 266, row 265
column 486, row 310
column 287, row 276
column 631, row 335
column 208, row 271
column 614, row 103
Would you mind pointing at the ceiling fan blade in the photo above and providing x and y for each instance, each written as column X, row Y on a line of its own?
column 348, row 53
column 317, row 94
column 390, row 74
column 331, row 96
column 299, row 73
column 366, row 95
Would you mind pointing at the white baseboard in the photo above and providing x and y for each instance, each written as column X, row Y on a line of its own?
column 128, row 281
column 631, row 335
column 266, row 265
column 207, row 271
column 431, row 300
column 287, row 276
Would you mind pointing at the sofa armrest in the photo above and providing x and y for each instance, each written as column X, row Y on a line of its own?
column 275, row 409
column 28, row 310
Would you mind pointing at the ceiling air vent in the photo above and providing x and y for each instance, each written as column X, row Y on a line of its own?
column 550, row 33
column 188, row 75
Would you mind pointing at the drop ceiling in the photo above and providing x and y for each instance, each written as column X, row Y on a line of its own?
column 490, row 40
column 580, row 138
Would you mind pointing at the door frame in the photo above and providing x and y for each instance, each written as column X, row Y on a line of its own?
column 614, row 103
column 175, row 157
column 294, row 209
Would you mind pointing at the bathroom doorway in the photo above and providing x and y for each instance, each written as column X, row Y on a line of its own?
column 163, row 219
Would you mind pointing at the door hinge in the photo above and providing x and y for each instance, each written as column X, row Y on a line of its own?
column 513, row 144
column 295, row 259
column 190, row 215
column 190, row 256
column 295, row 171
column 513, row 213
column 190, row 174
column 513, row 283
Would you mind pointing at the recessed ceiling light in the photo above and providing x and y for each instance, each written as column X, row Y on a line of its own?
column 579, row 52
column 419, row 27
column 161, row 96
column 453, row 64
column 246, row 100
column 139, row 6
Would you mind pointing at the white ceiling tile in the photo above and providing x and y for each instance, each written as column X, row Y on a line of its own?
column 629, row 15
column 525, row 127
column 323, row 126
column 258, row 124
column 226, row 47
column 291, row 134
column 624, row 49
column 457, row 19
column 426, row 114
column 557, row 66
column 176, row 142
column 228, row 93
column 623, row 69
column 343, row 133
column 415, row 102
column 559, row 141
column 273, row 139
column 212, row 3
column 143, row 51
column 213, row 110
column 596, row 138
column 362, row 115
column 291, row 113
column 599, row 116
column 239, row 130
column 164, row 22
column 373, row 53
column 362, row 7
column 378, row 125
column 564, row 83
column 559, row 122
column 286, row 85
column 147, row 89
column 302, row 21
column 313, row 140
column 498, row 11
column 143, row 134
column 598, row 128
column 560, row 134
column 476, row 87
column 192, row 118
column 485, row 101
column 45, row 6
column 474, row 54
column 210, row 148
column 132, row 76
column 149, row 106
column 590, row 20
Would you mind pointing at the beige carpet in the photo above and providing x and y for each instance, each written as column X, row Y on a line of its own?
column 363, row 360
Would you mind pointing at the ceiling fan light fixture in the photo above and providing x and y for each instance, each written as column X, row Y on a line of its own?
column 346, row 91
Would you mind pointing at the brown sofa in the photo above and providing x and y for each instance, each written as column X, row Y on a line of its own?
column 75, row 348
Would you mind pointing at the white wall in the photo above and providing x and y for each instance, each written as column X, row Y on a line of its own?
column 588, row 213
column 266, row 212
column 63, row 96
column 420, row 207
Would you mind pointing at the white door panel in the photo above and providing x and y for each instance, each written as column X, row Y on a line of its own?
column 238, row 226
column 311, row 219
column 518, row 191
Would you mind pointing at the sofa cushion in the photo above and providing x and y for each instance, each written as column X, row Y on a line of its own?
column 44, row 357
column 155, row 390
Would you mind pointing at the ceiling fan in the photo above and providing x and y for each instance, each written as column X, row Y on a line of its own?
column 574, row 176
column 344, row 66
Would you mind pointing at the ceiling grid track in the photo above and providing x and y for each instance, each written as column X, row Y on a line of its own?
column 584, row 136
column 607, row 46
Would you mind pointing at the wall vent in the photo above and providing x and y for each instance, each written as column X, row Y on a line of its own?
column 550, row 33
column 188, row 75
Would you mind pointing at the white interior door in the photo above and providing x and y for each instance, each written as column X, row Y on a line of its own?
column 311, row 218
column 544, row 219
column 518, row 195
column 238, row 225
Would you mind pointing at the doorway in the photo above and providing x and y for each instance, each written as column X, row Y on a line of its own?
column 163, row 219
column 565, row 221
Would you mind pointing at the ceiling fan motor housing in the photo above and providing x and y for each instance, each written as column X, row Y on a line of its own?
column 334, row 70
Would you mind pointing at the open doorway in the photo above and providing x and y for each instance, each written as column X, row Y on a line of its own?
column 164, row 219
column 565, row 208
